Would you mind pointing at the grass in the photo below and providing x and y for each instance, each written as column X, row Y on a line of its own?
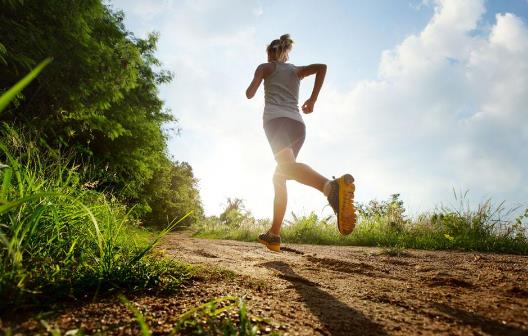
column 384, row 224
column 10, row 94
column 59, row 238
column 226, row 315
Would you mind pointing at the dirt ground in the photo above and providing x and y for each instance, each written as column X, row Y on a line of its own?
column 333, row 290
column 327, row 290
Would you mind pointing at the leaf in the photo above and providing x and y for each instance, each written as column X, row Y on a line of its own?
column 9, row 205
column 3, row 52
column 155, row 241
column 145, row 331
column 8, row 173
column 13, row 91
column 450, row 238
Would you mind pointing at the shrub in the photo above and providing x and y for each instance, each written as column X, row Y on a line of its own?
column 385, row 224
column 60, row 237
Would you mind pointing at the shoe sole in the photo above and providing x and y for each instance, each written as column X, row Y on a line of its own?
column 346, row 227
column 271, row 246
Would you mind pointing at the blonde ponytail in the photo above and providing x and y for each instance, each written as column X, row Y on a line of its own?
column 279, row 49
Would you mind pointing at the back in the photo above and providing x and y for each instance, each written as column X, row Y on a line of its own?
column 281, row 93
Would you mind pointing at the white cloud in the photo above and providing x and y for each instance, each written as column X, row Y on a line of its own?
column 147, row 10
column 258, row 11
column 448, row 110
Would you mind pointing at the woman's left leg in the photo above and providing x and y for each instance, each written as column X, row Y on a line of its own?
column 279, row 202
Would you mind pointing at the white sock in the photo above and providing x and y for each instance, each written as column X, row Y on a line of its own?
column 326, row 188
column 272, row 234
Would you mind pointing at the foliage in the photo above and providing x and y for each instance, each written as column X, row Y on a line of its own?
column 173, row 194
column 395, row 251
column 235, row 213
column 59, row 238
column 227, row 315
column 145, row 331
column 391, row 210
column 235, row 222
column 385, row 224
column 8, row 96
column 222, row 316
column 99, row 97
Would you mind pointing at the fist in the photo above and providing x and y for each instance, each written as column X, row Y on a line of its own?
column 308, row 106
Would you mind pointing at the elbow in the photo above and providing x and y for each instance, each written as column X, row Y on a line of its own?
column 320, row 69
column 249, row 94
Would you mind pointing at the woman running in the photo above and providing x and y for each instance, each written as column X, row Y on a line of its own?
column 285, row 130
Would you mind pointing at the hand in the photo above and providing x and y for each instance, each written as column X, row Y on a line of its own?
column 308, row 106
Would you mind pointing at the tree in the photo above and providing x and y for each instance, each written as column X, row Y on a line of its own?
column 99, row 96
column 172, row 193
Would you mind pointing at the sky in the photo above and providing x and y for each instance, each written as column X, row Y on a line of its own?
column 424, row 98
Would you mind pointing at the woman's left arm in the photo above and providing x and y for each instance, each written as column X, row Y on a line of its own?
column 320, row 72
column 255, row 83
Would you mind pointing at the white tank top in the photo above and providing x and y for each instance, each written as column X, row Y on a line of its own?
column 281, row 93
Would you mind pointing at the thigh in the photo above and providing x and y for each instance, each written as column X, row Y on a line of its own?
column 284, row 134
column 298, row 134
column 277, row 134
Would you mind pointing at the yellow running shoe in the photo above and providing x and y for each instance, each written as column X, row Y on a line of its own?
column 272, row 242
column 341, row 199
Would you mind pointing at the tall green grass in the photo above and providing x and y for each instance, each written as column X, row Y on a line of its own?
column 487, row 228
column 10, row 94
column 58, row 237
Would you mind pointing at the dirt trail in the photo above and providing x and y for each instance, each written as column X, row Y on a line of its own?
column 319, row 290
column 332, row 290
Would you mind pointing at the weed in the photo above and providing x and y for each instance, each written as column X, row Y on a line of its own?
column 395, row 251
column 485, row 228
column 59, row 239
column 145, row 331
column 227, row 315
column 222, row 316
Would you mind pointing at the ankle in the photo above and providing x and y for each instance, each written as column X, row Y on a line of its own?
column 273, row 233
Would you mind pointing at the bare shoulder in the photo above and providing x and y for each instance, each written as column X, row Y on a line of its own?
column 266, row 68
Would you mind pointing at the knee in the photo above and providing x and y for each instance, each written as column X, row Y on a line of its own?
column 279, row 180
column 287, row 168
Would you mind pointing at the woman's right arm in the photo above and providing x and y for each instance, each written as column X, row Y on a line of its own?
column 261, row 73
column 255, row 83
column 320, row 72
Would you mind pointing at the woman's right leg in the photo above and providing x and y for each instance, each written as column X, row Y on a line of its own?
column 286, row 137
column 341, row 200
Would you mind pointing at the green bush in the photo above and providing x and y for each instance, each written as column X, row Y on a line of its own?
column 59, row 237
column 385, row 224
column 98, row 100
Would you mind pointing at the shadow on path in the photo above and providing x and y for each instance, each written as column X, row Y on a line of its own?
column 487, row 325
column 337, row 317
